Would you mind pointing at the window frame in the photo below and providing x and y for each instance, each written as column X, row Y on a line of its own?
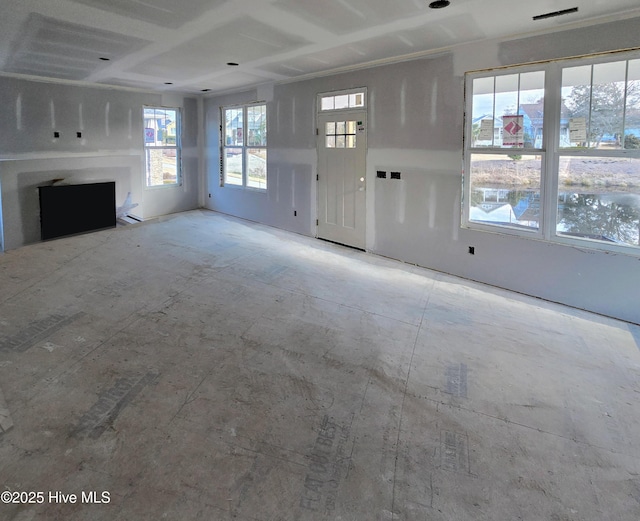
column 550, row 152
column 177, row 147
column 245, row 147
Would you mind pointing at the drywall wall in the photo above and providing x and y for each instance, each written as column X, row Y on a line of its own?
column 171, row 199
column 415, row 126
column 99, row 138
column 21, row 179
column 291, row 168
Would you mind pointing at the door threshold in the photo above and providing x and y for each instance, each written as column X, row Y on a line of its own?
column 341, row 244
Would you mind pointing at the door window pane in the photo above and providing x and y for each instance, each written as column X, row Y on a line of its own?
column 326, row 103
column 341, row 102
column 356, row 100
column 340, row 134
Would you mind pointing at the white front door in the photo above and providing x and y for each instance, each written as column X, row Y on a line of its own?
column 342, row 148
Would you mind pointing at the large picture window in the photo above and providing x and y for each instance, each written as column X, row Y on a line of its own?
column 162, row 146
column 244, row 149
column 553, row 151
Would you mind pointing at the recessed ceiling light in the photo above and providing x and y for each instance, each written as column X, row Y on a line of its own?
column 439, row 4
column 232, row 64
column 105, row 59
column 168, row 83
column 556, row 13
column 205, row 90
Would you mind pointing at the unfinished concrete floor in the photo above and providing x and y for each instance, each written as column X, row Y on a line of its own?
column 205, row 368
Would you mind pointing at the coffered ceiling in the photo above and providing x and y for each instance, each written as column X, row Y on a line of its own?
column 187, row 45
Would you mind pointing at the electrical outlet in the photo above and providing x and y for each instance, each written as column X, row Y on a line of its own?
column 472, row 250
column 295, row 213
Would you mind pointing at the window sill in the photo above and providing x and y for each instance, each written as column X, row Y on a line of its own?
column 162, row 187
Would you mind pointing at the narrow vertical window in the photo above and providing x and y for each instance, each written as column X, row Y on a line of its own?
column 162, row 146
column 244, row 146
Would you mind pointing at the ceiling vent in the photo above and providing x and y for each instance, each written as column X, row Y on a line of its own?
column 555, row 13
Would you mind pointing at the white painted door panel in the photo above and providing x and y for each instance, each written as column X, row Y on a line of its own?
column 342, row 147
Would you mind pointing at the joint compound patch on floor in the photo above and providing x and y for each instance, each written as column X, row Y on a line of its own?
column 329, row 462
column 110, row 403
column 454, row 451
column 49, row 346
column 272, row 272
column 456, row 380
column 36, row 332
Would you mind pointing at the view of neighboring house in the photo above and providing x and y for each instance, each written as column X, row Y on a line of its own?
column 533, row 119
column 503, row 205
column 256, row 124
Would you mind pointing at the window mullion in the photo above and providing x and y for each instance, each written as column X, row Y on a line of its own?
column 493, row 112
column 624, row 104
column 245, row 158
column 468, row 137
column 590, row 109
column 550, row 144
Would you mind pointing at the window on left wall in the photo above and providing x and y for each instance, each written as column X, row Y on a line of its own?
column 162, row 146
column 244, row 146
